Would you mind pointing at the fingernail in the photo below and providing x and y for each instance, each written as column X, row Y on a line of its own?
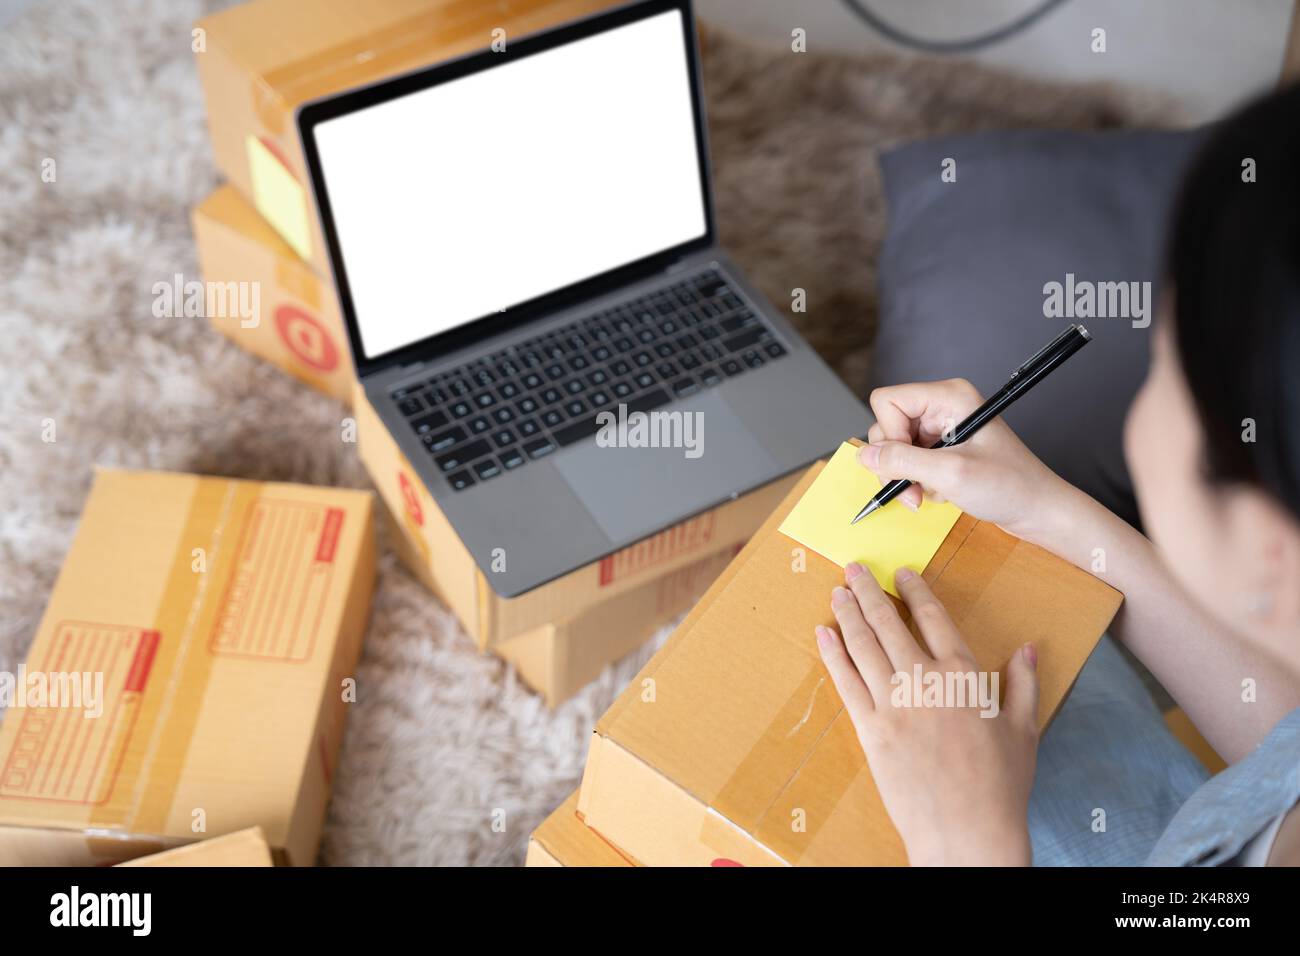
column 869, row 455
column 840, row 595
column 1030, row 654
column 911, row 505
column 852, row 570
column 824, row 636
column 903, row 575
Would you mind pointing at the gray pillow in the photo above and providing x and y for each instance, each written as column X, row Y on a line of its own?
column 965, row 263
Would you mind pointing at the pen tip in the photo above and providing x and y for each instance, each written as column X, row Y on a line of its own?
column 871, row 506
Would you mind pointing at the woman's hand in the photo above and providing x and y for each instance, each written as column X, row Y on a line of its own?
column 992, row 476
column 955, row 783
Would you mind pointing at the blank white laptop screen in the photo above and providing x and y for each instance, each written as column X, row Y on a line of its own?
column 470, row 197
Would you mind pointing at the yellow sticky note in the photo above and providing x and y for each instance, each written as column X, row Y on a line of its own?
column 884, row 541
column 278, row 196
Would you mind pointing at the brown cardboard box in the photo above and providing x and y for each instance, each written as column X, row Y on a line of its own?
column 441, row 561
column 298, row 326
column 732, row 746
column 219, row 620
column 1181, row 726
column 558, row 660
column 242, row 848
column 258, row 62
column 563, row 840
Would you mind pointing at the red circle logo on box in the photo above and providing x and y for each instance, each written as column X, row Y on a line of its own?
column 411, row 499
column 306, row 338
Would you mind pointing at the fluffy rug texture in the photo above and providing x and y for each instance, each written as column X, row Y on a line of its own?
column 440, row 736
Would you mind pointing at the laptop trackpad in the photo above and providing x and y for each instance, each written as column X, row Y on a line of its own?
column 633, row 492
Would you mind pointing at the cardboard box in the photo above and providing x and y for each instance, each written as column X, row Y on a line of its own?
column 563, row 840
column 297, row 326
column 242, row 848
column 217, row 621
column 558, row 660
column 739, row 750
column 258, row 62
column 1181, row 726
column 441, row 561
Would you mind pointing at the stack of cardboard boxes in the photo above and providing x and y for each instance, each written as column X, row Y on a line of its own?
column 258, row 63
column 732, row 747
column 191, row 675
column 208, row 629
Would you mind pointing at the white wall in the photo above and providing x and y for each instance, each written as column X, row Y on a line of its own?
column 1210, row 54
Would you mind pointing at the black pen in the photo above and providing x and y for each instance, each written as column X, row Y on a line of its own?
column 1050, row 357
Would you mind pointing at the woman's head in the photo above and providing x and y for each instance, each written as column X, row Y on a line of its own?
column 1213, row 439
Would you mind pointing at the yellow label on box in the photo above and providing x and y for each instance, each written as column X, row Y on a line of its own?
column 278, row 196
column 886, row 540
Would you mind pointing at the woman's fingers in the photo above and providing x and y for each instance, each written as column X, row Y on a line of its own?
column 935, row 468
column 909, row 420
column 937, row 629
column 915, row 416
column 912, row 496
column 1021, row 701
column 844, row 674
column 922, row 410
column 882, row 617
column 897, row 409
column 867, row 654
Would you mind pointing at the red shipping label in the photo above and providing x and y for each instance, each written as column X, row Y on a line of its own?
column 276, row 595
column 70, row 749
column 683, row 538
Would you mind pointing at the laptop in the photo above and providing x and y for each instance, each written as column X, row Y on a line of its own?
column 525, row 254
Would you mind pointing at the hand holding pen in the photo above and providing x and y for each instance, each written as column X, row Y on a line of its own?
column 917, row 423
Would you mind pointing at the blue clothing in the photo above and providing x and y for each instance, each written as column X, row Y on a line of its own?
column 1114, row 787
column 1219, row 819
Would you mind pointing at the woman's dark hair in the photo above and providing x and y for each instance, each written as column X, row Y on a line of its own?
column 1234, row 261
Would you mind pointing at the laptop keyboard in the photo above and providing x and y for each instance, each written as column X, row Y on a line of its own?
column 499, row 412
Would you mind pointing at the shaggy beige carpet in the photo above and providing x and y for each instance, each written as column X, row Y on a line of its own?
column 440, row 736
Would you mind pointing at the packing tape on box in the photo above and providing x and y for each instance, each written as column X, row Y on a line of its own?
column 240, row 573
column 815, row 705
column 188, row 610
column 384, row 51
column 454, row 29
column 210, row 611
column 298, row 281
